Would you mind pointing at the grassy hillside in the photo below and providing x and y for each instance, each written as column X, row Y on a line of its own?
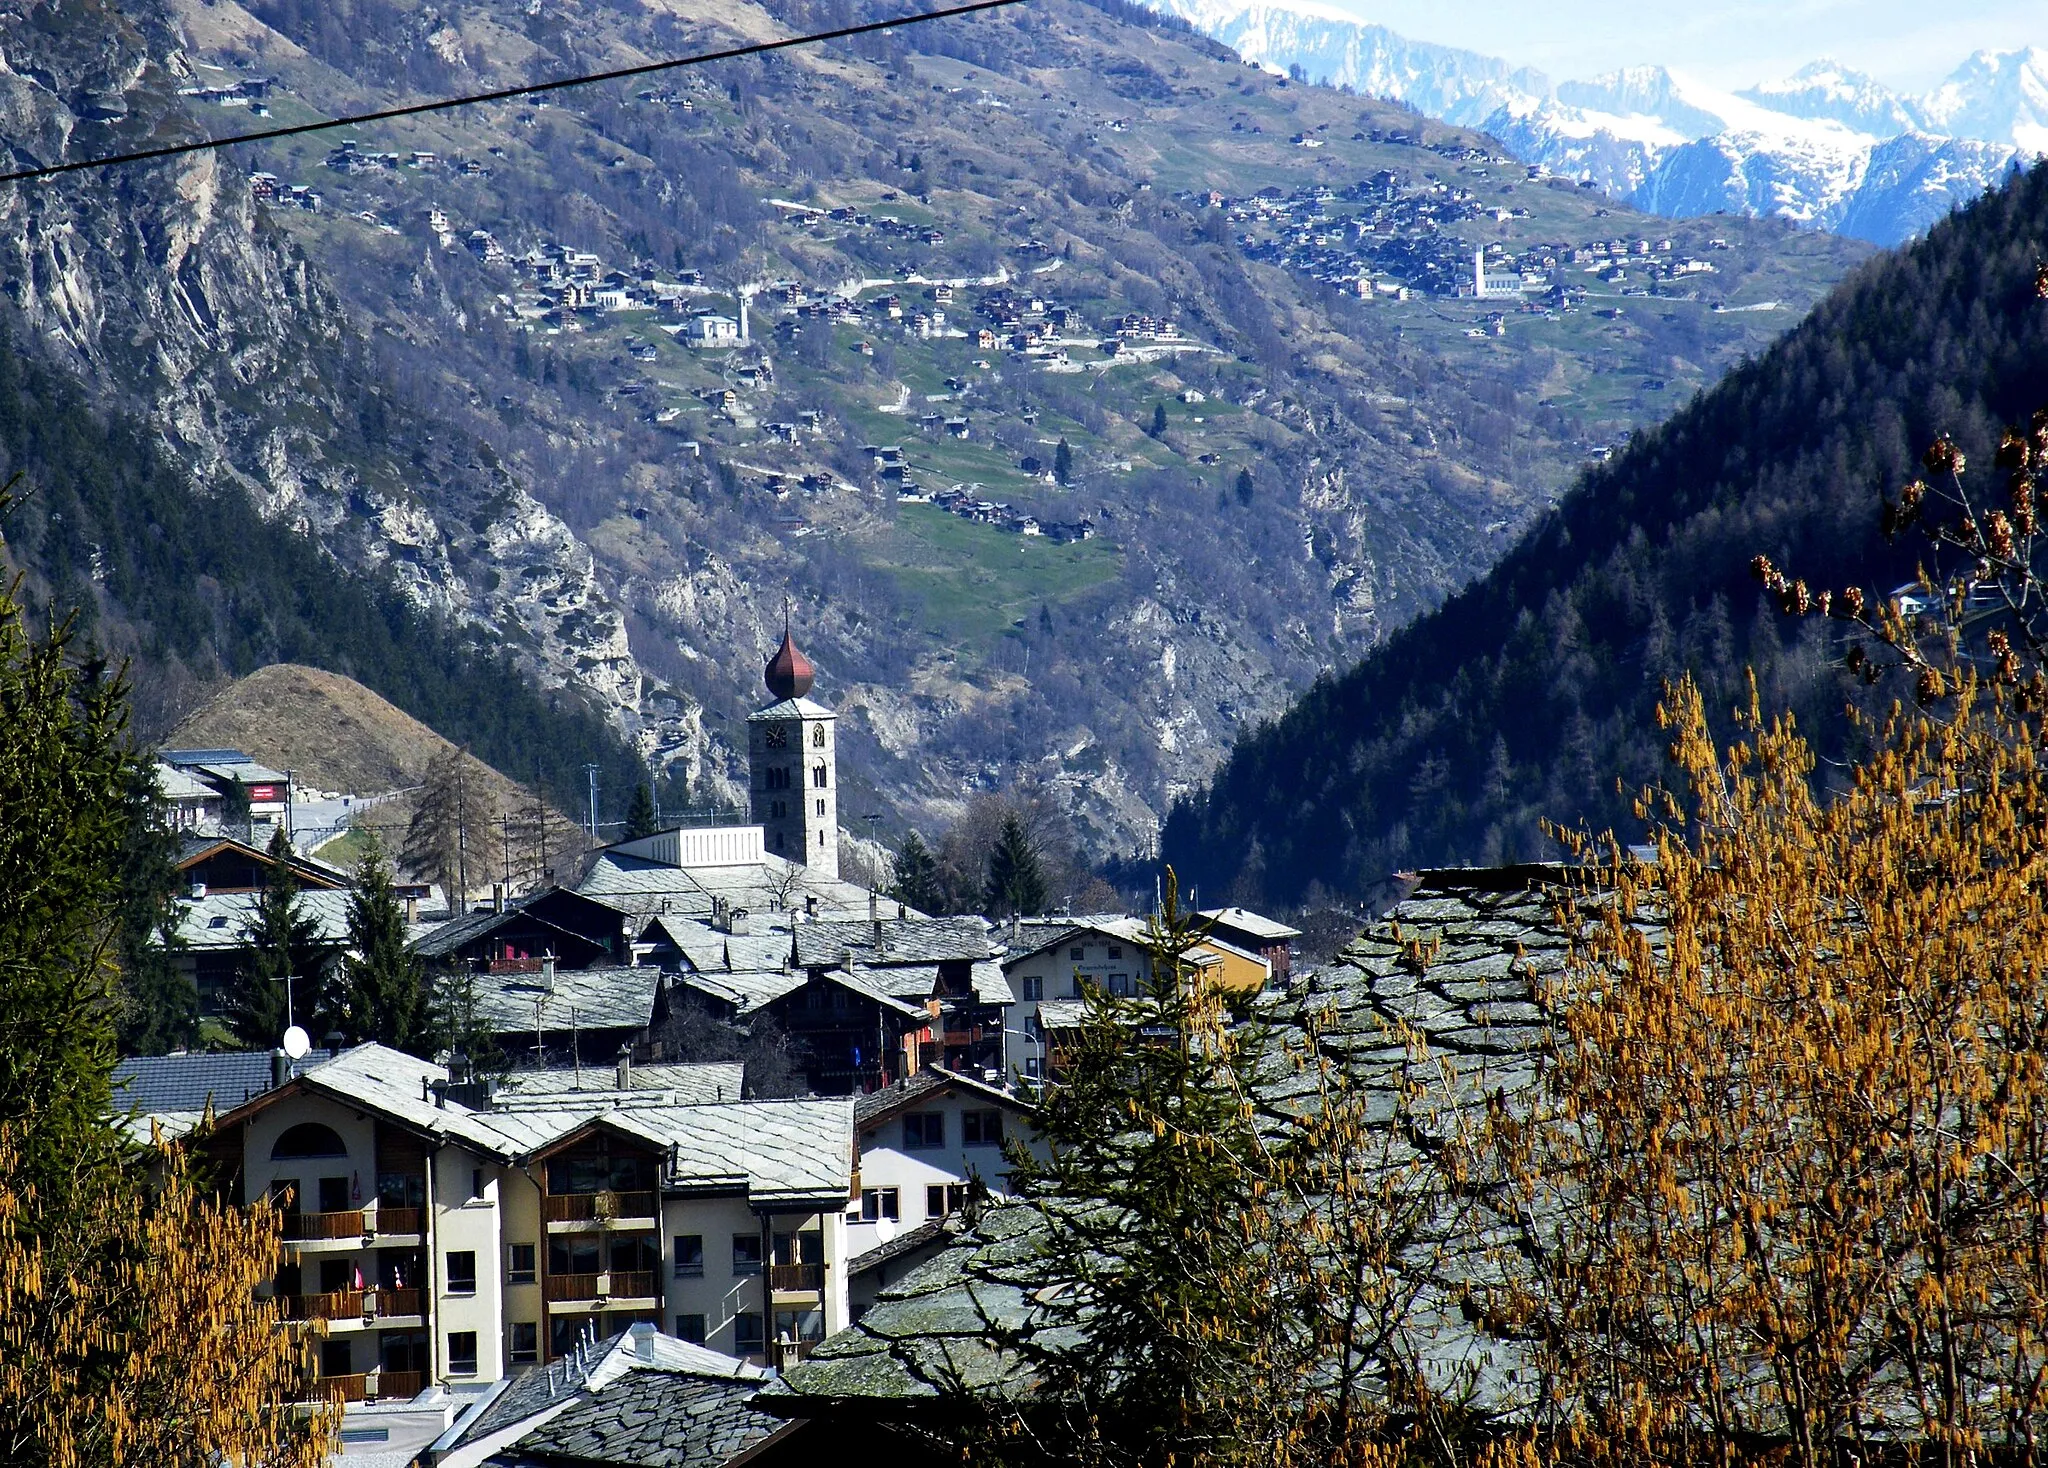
column 1526, row 695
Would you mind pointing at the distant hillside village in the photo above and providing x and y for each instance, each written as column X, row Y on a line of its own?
column 502, row 1256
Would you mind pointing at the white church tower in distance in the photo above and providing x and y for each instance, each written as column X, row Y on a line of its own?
column 793, row 768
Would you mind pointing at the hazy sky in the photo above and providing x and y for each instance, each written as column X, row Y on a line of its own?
column 1910, row 44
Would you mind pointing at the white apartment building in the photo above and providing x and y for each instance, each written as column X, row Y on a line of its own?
column 922, row 1142
column 449, row 1237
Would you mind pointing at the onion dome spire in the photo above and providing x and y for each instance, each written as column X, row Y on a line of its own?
column 789, row 673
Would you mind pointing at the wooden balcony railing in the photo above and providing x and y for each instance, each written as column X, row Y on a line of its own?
column 400, row 1385
column 351, row 1388
column 587, row 1207
column 329, row 1305
column 398, row 1301
column 796, row 1276
column 306, row 1226
column 390, row 1220
column 630, row 1284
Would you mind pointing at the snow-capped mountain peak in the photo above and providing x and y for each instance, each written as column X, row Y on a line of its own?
column 1998, row 96
column 1827, row 146
column 1829, row 91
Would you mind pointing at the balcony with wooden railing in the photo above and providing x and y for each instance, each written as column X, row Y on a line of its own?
column 400, row 1385
column 796, row 1278
column 393, row 1220
column 616, row 1284
column 355, row 1387
column 634, row 1209
column 315, row 1227
column 392, row 1301
column 327, row 1305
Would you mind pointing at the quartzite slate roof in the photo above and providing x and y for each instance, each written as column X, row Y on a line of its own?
column 647, row 888
column 219, row 920
column 683, row 1085
column 641, row 1400
column 1485, row 934
column 892, row 941
column 592, row 998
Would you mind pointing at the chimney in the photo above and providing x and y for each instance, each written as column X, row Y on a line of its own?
column 1016, row 928
column 902, row 913
column 280, row 1067
column 625, row 1068
column 198, row 890
column 498, row 897
column 875, row 917
column 412, row 908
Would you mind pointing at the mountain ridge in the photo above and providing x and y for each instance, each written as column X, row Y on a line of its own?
column 1529, row 697
column 1675, row 147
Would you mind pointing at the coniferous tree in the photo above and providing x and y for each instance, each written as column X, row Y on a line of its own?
column 917, row 876
column 1016, row 880
column 460, row 1028
column 130, row 1326
column 640, row 818
column 449, row 836
column 283, row 941
column 1158, row 419
column 159, row 1007
column 383, row 990
column 235, row 817
column 1245, row 488
column 1063, row 463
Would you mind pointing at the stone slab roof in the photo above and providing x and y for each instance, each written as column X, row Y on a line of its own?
column 615, row 998
column 219, row 919
column 1458, row 960
column 640, row 1400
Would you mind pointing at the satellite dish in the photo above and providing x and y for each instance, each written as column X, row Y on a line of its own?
column 297, row 1042
column 885, row 1230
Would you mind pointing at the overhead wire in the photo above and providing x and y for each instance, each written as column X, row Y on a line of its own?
column 502, row 94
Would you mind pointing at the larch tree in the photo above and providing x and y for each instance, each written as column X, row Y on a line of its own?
column 1782, row 1179
column 450, row 837
column 130, row 1329
column 1218, row 1280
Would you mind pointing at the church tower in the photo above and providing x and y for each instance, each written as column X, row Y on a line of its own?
column 793, row 766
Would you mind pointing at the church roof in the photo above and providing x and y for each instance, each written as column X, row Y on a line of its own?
column 792, row 708
column 789, row 673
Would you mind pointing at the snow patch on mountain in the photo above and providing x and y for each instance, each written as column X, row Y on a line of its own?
column 1828, row 146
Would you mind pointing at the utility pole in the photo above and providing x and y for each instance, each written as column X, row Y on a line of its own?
column 462, row 832
column 590, row 773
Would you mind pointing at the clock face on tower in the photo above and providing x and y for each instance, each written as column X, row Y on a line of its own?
column 778, row 737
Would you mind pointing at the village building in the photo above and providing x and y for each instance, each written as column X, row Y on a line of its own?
column 449, row 1234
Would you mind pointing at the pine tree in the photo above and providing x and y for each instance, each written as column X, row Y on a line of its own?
column 159, row 1007
column 1245, row 488
column 917, row 876
column 460, row 1028
column 1063, row 463
column 1016, row 881
column 283, row 941
column 1158, row 419
column 640, row 818
column 383, row 990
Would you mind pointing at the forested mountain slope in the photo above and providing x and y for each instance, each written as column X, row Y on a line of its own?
column 1526, row 695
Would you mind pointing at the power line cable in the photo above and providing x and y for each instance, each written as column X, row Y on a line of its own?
column 445, row 104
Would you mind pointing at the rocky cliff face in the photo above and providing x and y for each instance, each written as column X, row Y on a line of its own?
column 163, row 287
